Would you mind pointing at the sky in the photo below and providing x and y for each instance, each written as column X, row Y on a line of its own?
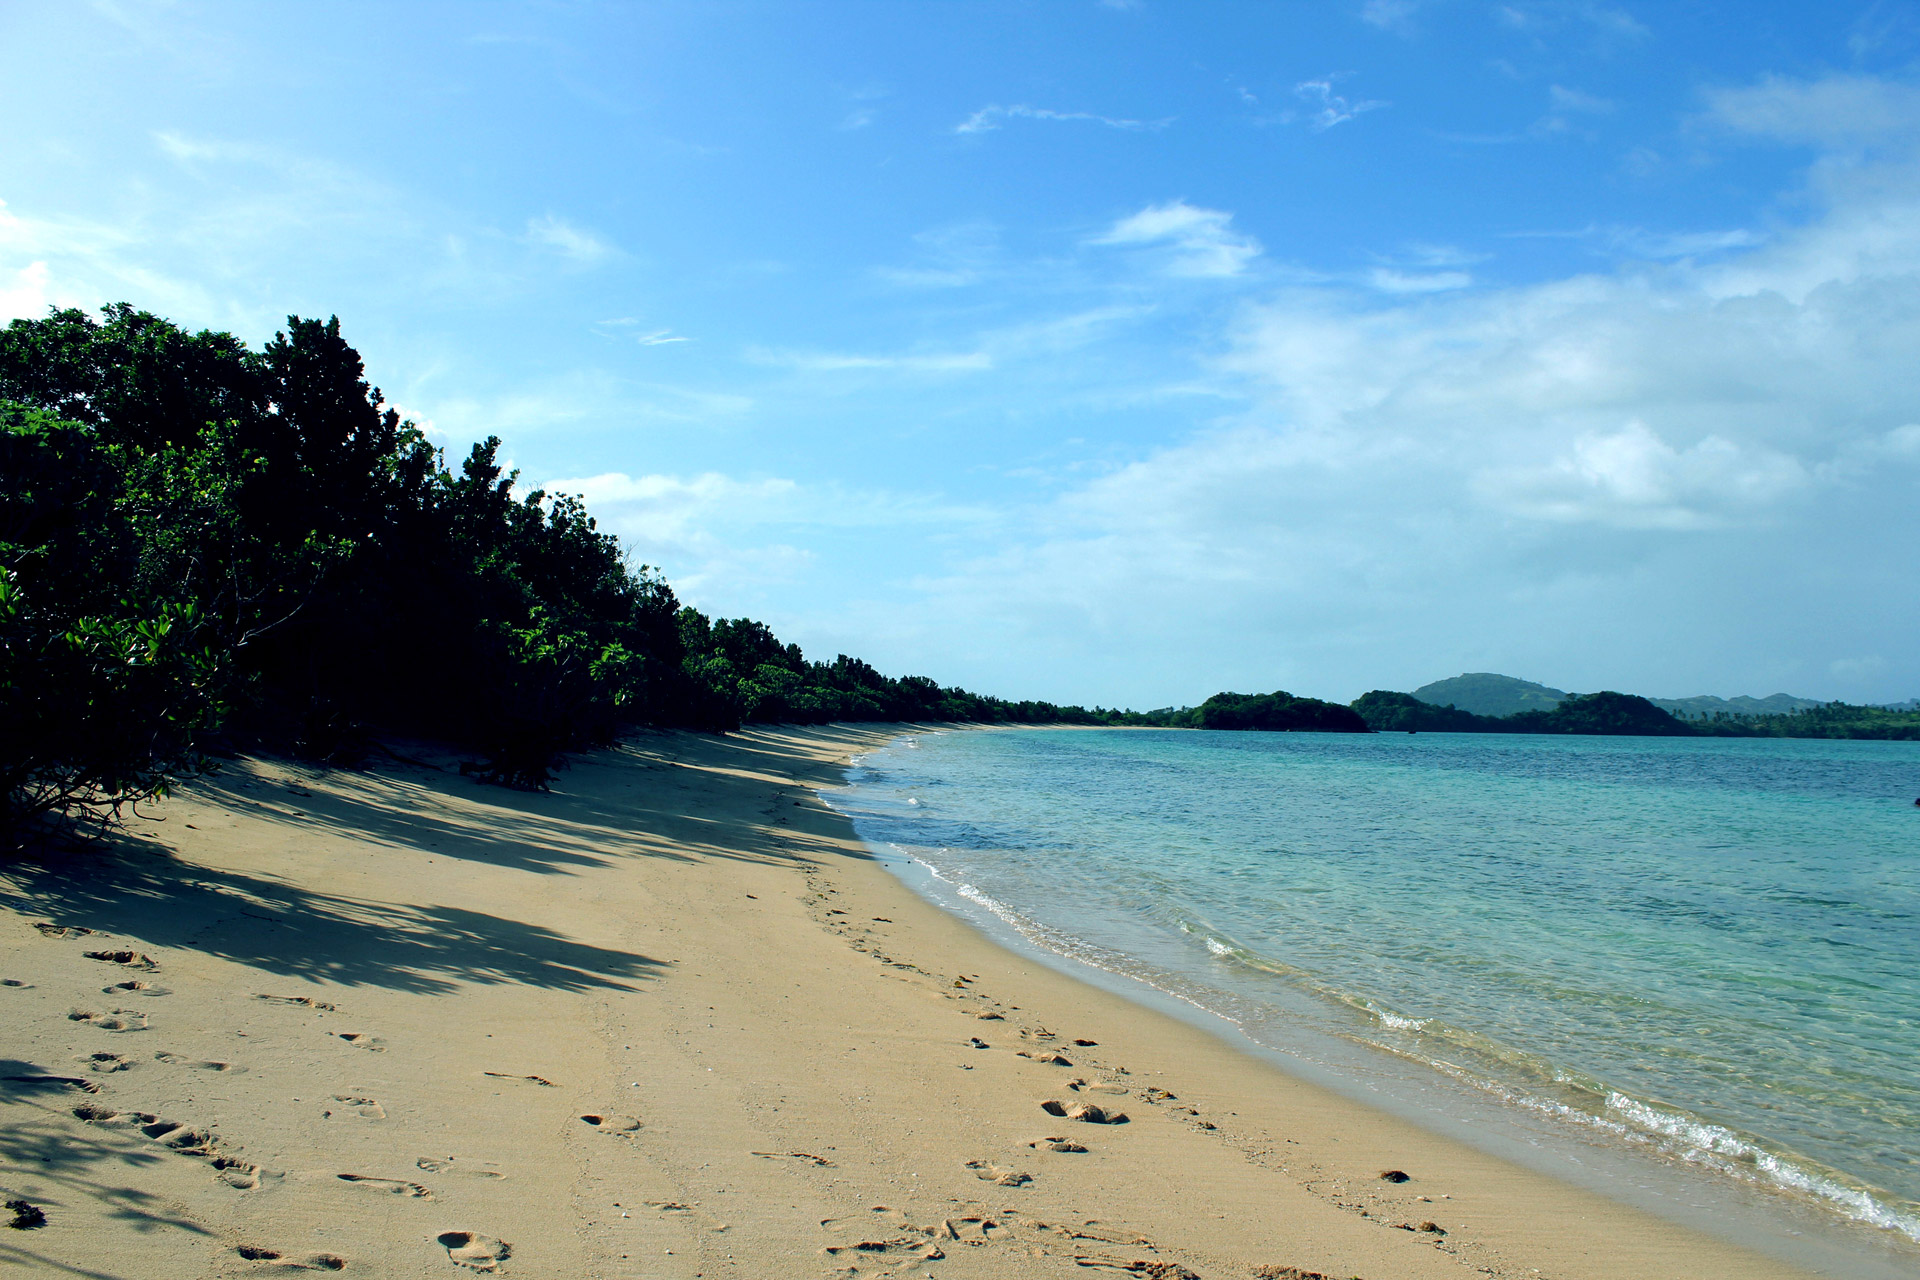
column 1107, row 352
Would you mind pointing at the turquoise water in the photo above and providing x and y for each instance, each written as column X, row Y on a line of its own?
column 1708, row 950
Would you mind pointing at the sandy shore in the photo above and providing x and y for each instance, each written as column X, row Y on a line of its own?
column 668, row 1021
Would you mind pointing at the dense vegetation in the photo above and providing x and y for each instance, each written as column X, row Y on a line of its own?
column 1831, row 720
column 1620, row 713
column 1273, row 711
column 204, row 545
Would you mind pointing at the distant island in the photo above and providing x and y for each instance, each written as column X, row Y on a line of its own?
column 1486, row 694
column 1483, row 702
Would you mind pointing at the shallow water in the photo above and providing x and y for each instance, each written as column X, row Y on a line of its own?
column 1707, row 950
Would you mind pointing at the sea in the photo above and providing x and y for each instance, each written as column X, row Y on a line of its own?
column 1685, row 972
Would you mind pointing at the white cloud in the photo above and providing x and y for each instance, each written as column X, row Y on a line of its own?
column 724, row 535
column 1840, row 111
column 1390, row 15
column 1565, row 99
column 25, row 296
column 1387, row 280
column 1614, row 477
column 1634, row 479
column 989, row 118
column 1605, row 20
column 839, row 362
column 1198, row 242
column 1327, row 108
column 561, row 236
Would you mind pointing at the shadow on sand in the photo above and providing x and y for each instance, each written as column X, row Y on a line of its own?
column 627, row 802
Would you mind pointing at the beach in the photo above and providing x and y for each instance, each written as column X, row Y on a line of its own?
column 669, row 1020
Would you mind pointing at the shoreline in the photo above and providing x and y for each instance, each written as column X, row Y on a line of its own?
column 1780, row 1202
column 669, row 1020
column 1801, row 1233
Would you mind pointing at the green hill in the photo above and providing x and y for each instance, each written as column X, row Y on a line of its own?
column 1485, row 694
column 1705, row 706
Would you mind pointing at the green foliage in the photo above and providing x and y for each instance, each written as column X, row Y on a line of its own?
column 1580, row 713
column 1831, row 720
column 1599, row 713
column 1276, row 711
column 1389, row 712
column 196, row 537
column 104, row 685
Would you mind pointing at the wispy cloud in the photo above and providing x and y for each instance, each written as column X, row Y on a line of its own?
column 1606, row 20
column 626, row 326
column 1388, row 280
column 1390, row 15
column 576, row 243
column 991, row 117
column 1617, row 242
column 1565, row 99
column 1326, row 108
column 843, row 362
column 1200, row 242
column 1835, row 111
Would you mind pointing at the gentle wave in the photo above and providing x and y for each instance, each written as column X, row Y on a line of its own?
column 1671, row 1130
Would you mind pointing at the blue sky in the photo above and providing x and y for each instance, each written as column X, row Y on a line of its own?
column 1107, row 352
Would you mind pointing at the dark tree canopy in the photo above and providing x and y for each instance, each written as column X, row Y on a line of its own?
column 203, row 544
column 1276, row 711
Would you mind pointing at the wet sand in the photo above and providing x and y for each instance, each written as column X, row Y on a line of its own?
column 666, row 1021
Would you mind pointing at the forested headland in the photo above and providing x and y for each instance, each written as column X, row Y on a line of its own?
column 206, row 547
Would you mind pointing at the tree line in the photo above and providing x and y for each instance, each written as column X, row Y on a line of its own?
column 1626, row 713
column 206, row 546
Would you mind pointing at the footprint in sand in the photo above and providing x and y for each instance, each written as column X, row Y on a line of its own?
column 1065, row 1146
column 306, row 1262
column 104, row 1063
column 615, row 1124
column 353, row 1104
column 1085, row 1112
column 1105, row 1086
column 130, row 959
column 476, row 1252
column 184, row 1139
column 987, row 1171
column 118, row 1020
column 52, row 930
column 181, row 1137
column 391, row 1186
column 135, row 987
column 455, row 1165
column 307, row 1002
column 241, row 1176
column 175, row 1060
column 360, row 1040
column 1047, row 1058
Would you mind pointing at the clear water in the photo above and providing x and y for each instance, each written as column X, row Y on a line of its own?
column 1706, row 949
